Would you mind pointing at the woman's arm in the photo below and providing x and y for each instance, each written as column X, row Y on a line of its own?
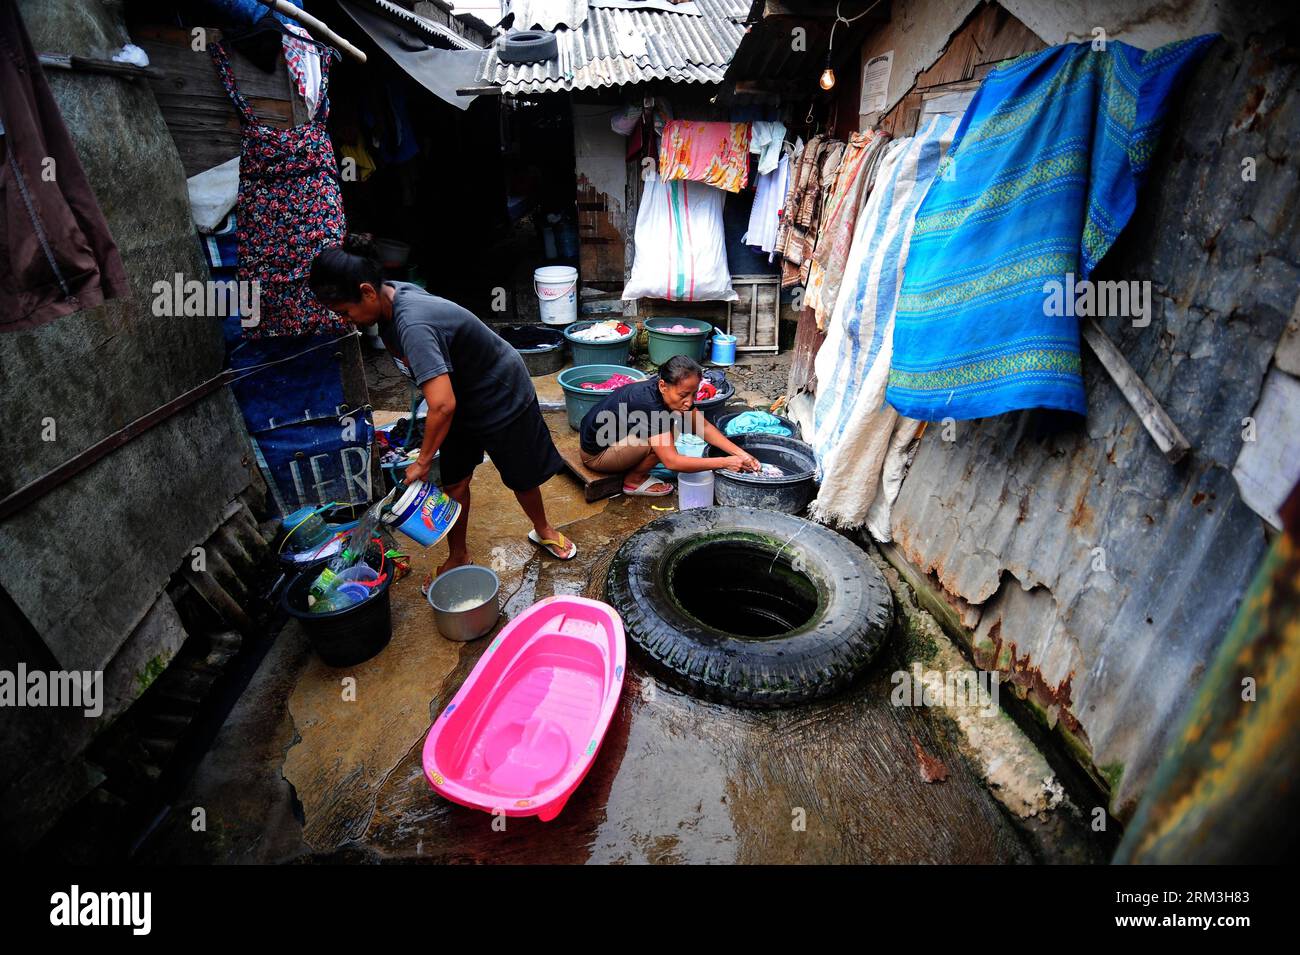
column 669, row 457
column 442, row 405
column 705, row 429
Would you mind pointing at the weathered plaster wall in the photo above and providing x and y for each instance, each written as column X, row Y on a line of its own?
column 918, row 30
column 85, row 563
column 601, row 169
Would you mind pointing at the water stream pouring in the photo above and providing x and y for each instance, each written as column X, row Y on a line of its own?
column 325, row 590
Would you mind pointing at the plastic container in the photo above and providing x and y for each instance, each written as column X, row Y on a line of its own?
column 359, row 573
column 694, row 489
column 712, row 408
column 392, row 253
column 475, row 593
column 423, row 513
column 557, row 293
column 578, row 400
column 525, row 726
column 789, row 493
column 664, row 345
column 688, row 444
column 305, row 530
column 352, row 592
column 724, row 349
column 612, row 352
column 342, row 638
column 544, row 350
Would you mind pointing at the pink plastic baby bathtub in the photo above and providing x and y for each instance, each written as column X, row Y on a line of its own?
column 522, row 732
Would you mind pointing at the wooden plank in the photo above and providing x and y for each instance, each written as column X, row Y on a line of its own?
column 988, row 37
column 196, row 107
column 807, row 342
column 319, row 28
column 595, row 485
column 1153, row 417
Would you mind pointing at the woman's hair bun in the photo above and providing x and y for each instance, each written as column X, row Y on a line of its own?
column 360, row 243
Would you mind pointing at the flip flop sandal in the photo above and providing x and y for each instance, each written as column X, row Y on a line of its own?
column 649, row 482
column 550, row 545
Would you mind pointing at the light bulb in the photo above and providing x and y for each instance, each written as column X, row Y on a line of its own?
column 828, row 78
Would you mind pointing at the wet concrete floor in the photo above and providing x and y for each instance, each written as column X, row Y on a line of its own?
column 322, row 764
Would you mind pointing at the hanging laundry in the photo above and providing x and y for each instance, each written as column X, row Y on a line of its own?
column 59, row 255
column 716, row 154
column 387, row 122
column 764, row 214
column 221, row 245
column 853, row 182
column 680, row 251
column 1043, row 176
column 289, row 209
column 852, row 429
column 303, row 59
column 765, row 142
column 363, row 162
column 811, row 179
column 213, row 194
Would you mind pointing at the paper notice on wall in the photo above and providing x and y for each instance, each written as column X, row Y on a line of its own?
column 875, row 83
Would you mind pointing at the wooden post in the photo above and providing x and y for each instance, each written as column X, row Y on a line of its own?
column 318, row 27
column 1154, row 418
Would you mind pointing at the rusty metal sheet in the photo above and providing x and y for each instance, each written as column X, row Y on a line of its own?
column 1106, row 576
column 616, row 47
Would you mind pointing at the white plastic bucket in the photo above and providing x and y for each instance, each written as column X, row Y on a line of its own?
column 424, row 513
column 694, row 489
column 557, row 293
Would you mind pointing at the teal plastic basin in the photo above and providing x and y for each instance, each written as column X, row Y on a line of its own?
column 578, row 400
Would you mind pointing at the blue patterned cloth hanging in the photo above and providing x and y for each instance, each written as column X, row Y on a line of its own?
column 1042, row 176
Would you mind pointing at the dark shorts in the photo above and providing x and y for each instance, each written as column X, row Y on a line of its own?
column 522, row 451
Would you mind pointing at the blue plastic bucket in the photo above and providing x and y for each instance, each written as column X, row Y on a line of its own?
column 724, row 349
column 424, row 513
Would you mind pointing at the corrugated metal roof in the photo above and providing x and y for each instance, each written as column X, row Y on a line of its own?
column 431, row 31
column 616, row 47
column 548, row 14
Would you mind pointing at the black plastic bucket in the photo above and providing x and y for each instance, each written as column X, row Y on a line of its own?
column 544, row 350
column 789, row 494
column 712, row 408
column 343, row 638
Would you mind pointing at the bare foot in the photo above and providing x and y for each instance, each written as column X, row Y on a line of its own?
column 455, row 560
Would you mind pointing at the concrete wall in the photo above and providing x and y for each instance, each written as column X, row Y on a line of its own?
column 85, row 563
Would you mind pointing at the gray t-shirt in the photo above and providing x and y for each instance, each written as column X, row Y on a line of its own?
column 437, row 337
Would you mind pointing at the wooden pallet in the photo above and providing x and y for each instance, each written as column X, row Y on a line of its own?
column 595, row 485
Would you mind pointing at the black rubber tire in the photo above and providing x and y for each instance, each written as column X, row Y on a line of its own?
column 853, row 615
column 528, row 46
